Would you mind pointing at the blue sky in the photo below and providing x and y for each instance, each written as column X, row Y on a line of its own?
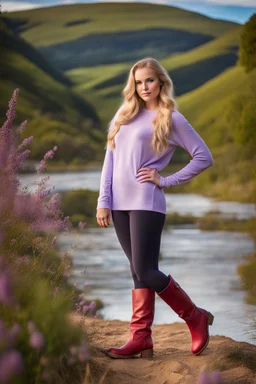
column 234, row 10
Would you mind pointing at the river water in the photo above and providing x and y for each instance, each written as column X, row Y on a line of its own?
column 203, row 262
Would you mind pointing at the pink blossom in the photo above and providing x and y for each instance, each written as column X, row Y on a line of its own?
column 37, row 340
column 81, row 225
column 23, row 260
column 57, row 291
column 83, row 353
column 22, row 127
column 41, row 166
column 11, row 364
column 49, row 155
column 25, row 142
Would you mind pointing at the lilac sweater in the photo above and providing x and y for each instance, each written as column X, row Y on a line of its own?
column 119, row 187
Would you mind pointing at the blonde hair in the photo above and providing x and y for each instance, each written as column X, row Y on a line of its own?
column 133, row 104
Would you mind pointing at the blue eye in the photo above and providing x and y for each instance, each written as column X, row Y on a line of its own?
column 138, row 82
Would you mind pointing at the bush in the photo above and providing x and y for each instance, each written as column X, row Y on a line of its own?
column 37, row 341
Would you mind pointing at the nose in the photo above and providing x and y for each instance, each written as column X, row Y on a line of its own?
column 144, row 87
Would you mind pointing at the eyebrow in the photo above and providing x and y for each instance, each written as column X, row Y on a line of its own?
column 146, row 79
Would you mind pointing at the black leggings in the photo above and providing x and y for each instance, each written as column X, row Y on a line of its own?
column 139, row 233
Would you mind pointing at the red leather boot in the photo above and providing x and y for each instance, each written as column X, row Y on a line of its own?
column 197, row 319
column 140, row 341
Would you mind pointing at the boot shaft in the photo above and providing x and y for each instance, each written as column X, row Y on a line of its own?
column 143, row 310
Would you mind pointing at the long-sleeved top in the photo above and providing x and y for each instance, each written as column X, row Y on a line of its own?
column 120, row 189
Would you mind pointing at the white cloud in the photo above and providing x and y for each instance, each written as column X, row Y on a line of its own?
column 11, row 6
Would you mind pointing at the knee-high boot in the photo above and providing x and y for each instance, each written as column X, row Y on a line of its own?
column 197, row 319
column 140, row 341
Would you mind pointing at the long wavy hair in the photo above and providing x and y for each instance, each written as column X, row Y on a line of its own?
column 133, row 104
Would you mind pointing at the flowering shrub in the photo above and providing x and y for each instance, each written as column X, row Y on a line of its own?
column 37, row 341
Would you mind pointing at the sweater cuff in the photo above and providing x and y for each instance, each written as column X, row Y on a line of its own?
column 103, row 204
column 168, row 181
column 162, row 182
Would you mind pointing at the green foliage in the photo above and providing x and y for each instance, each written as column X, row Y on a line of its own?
column 176, row 219
column 80, row 204
column 56, row 114
column 241, row 115
column 248, row 45
column 247, row 272
column 45, row 297
column 246, row 128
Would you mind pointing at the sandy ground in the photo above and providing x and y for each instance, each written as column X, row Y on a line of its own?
column 172, row 362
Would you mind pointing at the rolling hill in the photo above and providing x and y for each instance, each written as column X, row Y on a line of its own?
column 56, row 113
column 89, row 49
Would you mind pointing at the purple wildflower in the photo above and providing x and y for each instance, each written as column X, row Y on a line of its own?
column 37, row 340
column 81, row 224
column 25, row 142
column 41, row 166
column 22, row 127
column 57, row 290
column 83, row 354
column 11, row 364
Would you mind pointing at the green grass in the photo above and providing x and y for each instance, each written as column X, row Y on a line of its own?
column 47, row 26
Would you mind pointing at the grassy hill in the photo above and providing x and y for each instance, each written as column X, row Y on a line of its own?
column 88, row 35
column 88, row 49
column 213, row 109
column 56, row 114
column 189, row 71
column 56, row 53
column 60, row 24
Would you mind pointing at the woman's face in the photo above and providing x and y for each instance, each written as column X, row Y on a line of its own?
column 146, row 81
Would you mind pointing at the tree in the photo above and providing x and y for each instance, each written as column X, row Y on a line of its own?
column 247, row 51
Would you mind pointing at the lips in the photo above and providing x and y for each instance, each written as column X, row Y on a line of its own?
column 146, row 94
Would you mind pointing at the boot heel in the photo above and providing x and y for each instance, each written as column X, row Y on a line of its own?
column 147, row 353
column 210, row 318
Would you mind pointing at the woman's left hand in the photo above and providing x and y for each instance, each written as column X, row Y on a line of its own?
column 148, row 174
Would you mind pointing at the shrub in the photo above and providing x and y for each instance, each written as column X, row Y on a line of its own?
column 38, row 343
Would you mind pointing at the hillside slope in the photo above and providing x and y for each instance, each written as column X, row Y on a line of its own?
column 86, row 35
column 53, row 25
column 188, row 71
column 54, row 111
column 212, row 109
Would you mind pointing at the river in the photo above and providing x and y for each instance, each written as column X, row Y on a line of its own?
column 203, row 262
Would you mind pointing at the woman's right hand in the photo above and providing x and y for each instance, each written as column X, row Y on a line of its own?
column 103, row 217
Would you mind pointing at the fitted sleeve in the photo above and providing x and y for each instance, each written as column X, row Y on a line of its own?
column 105, row 192
column 184, row 136
column 104, row 199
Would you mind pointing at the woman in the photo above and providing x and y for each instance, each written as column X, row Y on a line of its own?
column 142, row 138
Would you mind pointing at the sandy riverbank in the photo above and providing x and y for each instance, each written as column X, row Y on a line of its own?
column 172, row 362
